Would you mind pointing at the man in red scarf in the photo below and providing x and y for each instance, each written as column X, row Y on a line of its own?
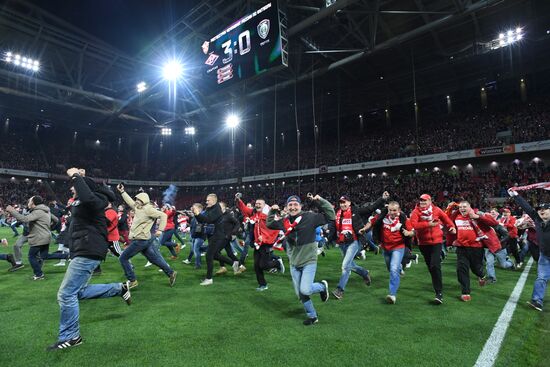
column 391, row 230
column 427, row 220
column 264, row 238
column 471, row 228
column 349, row 222
column 508, row 221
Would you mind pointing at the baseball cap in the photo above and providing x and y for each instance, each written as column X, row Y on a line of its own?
column 506, row 210
column 344, row 198
column 425, row 197
column 543, row 206
column 295, row 198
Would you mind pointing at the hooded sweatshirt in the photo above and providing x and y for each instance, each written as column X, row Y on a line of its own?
column 39, row 220
column 144, row 217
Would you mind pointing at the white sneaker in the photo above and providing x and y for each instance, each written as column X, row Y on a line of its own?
column 416, row 258
column 160, row 270
column 61, row 263
column 391, row 299
column 235, row 266
column 207, row 282
column 148, row 264
column 187, row 262
column 281, row 265
column 363, row 254
column 402, row 272
column 409, row 264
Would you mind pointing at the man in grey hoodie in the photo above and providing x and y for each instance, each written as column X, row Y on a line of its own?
column 39, row 221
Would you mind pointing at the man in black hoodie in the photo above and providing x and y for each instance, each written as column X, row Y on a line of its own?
column 212, row 220
column 88, row 233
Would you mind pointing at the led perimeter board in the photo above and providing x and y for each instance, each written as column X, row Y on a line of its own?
column 251, row 46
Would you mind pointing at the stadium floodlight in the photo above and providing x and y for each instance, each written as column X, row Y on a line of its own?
column 508, row 38
column 172, row 70
column 166, row 131
column 190, row 130
column 232, row 121
column 141, row 87
column 22, row 61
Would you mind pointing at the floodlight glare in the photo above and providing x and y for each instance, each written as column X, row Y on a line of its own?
column 501, row 36
column 141, row 87
column 190, row 130
column 232, row 121
column 22, row 61
column 510, row 32
column 166, row 131
column 172, row 70
column 519, row 36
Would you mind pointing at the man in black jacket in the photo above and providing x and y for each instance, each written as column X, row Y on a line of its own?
column 231, row 227
column 349, row 223
column 212, row 218
column 88, row 232
column 541, row 217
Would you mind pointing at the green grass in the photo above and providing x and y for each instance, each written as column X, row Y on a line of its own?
column 230, row 324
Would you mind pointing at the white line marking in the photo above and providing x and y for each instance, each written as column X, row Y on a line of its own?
column 489, row 354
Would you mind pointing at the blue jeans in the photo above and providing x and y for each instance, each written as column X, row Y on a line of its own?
column 37, row 256
column 348, row 265
column 502, row 261
column 197, row 247
column 75, row 287
column 302, row 278
column 166, row 240
column 248, row 243
column 151, row 253
column 543, row 274
column 393, row 260
column 370, row 241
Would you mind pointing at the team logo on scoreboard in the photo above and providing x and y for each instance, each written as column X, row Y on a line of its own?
column 263, row 28
column 211, row 59
column 205, row 47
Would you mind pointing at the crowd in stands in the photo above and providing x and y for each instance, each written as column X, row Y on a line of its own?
column 519, row 123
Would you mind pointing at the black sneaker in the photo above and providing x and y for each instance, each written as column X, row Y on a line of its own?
column 324, row 294
column 311, row 321
column 16, row 267
column 173, row 278
column 66, row 344
column 534, row 304
column 338, row 293
column 367, row 279
column 11, row 260
column 125, row 293
column 438, row 299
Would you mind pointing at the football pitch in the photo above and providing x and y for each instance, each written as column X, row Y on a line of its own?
column 231, row 324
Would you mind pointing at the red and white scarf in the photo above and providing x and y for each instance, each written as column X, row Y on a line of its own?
column 539, row 185
column 393, row 224
column 426, row 214
column 289, row 227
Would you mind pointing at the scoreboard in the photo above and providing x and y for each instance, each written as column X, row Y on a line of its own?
column 249, row 47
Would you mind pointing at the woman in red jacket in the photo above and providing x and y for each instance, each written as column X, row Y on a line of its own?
column 427, row 220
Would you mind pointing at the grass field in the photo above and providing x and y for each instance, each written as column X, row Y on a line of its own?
column 230, row 324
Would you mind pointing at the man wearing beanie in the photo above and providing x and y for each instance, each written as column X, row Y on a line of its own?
column 88, row 246
column 299, row 229
column 140, row 236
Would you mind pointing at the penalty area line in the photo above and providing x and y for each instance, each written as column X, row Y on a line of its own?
column 490, row 351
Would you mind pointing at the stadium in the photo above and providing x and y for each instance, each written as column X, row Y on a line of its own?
column 284, row 182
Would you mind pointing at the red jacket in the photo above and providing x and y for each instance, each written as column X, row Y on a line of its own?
column 112, row 225
column 510, row 224
column 170, row 224
column 426, row 234
column 268, row 236
column 393, row 240
column 468, row 235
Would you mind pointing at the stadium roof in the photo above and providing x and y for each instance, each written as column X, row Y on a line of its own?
column 367, row 49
